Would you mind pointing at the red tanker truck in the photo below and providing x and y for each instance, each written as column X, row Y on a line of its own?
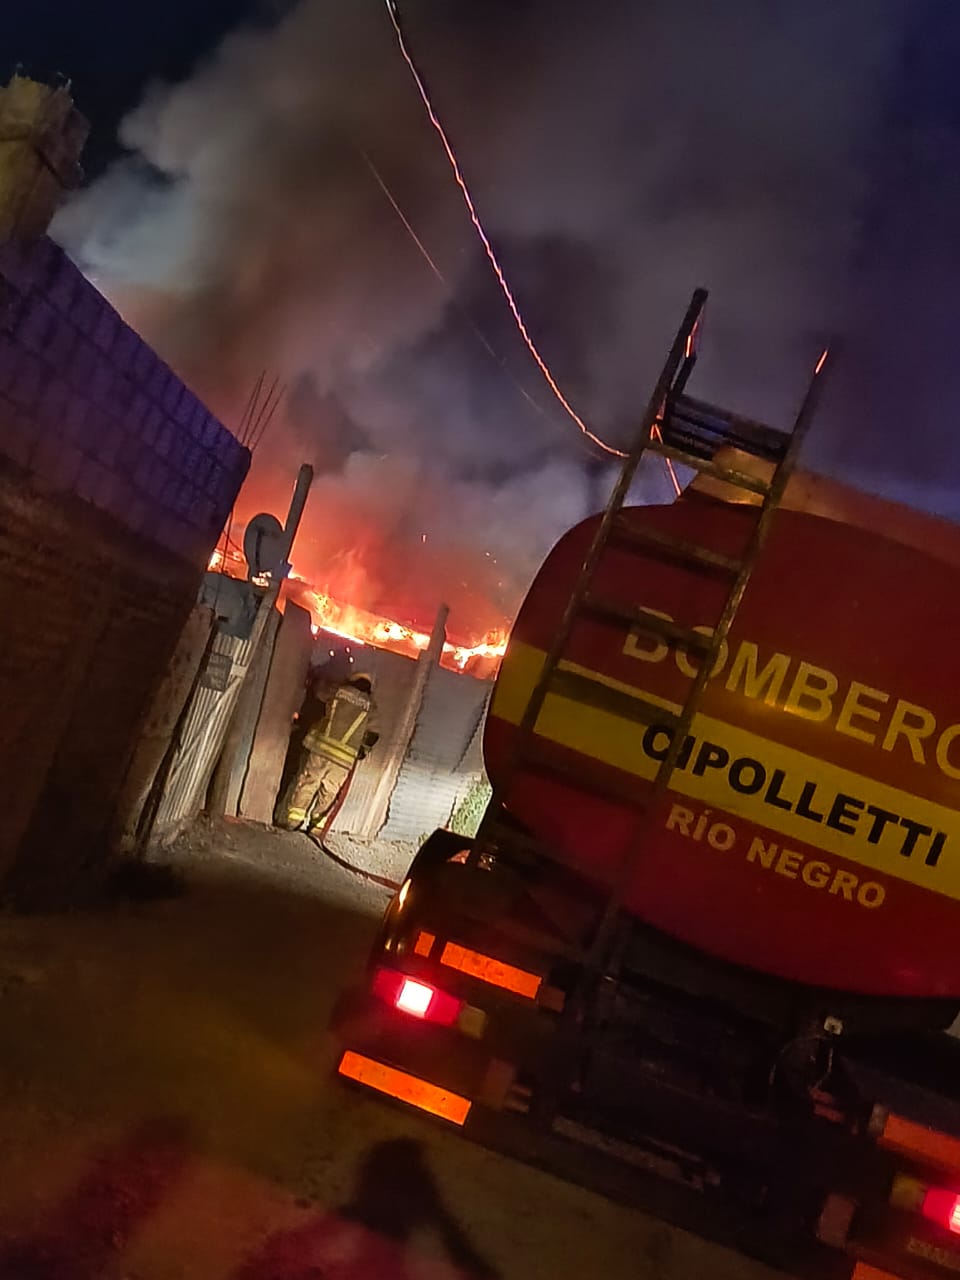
column 704, row 951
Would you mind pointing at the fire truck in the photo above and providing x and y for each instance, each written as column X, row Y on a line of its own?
column 703, row 954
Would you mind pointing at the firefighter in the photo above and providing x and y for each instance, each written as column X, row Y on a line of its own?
column 343, row 731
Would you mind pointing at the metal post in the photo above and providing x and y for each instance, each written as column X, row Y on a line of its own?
column 220, row 783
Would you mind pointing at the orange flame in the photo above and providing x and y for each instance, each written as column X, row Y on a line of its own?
column 230, row 562
column 361, row 627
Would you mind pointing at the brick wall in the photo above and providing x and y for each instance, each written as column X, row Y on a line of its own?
column 114, row 484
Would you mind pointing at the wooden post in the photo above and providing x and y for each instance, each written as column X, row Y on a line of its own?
column 221, row 788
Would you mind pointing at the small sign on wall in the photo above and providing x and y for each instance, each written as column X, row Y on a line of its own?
column 216, row 673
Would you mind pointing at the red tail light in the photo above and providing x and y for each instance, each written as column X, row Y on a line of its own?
column 416, row 998
column 942, row 1207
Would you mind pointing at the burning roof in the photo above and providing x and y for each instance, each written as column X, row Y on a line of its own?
column 480, row 658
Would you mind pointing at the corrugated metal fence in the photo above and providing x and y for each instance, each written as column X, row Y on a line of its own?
column 435, row 768
column 444, row 759
column 202, row 734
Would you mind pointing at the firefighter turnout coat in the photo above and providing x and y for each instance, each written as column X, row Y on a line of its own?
column 345, row 727
column 343, row 731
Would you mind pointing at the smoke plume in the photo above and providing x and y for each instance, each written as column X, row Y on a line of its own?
column 620, row 155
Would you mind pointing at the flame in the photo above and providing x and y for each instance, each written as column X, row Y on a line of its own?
column 229, row 561
column 361, row 627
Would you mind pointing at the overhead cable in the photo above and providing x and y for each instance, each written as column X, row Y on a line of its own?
column 485, row 241
column 478, row 333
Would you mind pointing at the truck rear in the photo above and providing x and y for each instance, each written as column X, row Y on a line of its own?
column 702, row 954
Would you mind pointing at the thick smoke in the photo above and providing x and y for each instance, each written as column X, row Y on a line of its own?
column 620, row 155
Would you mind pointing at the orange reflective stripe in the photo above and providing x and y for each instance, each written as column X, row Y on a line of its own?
column 398, row 1084
column 493, row 971
column 862, row 1271
column 910, row 1138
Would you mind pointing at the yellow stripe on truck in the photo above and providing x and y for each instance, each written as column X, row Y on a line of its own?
column 800, row 796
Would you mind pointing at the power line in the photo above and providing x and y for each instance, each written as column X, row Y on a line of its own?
column 484, row 240
column 247, row 415
column 492, row 257
column 413, row 235
column 265, row 413
column 478, row 333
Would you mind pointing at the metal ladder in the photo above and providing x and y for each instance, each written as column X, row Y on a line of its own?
column 689, row 432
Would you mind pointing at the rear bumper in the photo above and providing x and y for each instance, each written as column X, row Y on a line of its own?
column 446, row 1081
column 439, row 1057
column 662, row 1113
column 455, row 1081
column 445, row 1104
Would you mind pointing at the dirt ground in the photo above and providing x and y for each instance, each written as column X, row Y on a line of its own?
column 168, row 1112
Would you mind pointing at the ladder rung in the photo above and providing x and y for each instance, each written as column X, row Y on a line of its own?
column 645, row 538
column 737, row 478
column 633, row 616
column 770, row 436
column 594, row 693
column 727, row 428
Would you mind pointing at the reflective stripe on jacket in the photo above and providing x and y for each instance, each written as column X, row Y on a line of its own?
column 339, row 734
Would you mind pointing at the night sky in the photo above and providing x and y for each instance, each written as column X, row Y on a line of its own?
column 800, row 160
column 111, row 50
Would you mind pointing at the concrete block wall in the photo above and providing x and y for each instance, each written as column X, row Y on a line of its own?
column 160, row 724
column 89, row 407
column 115, row 482
column 41, row 138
